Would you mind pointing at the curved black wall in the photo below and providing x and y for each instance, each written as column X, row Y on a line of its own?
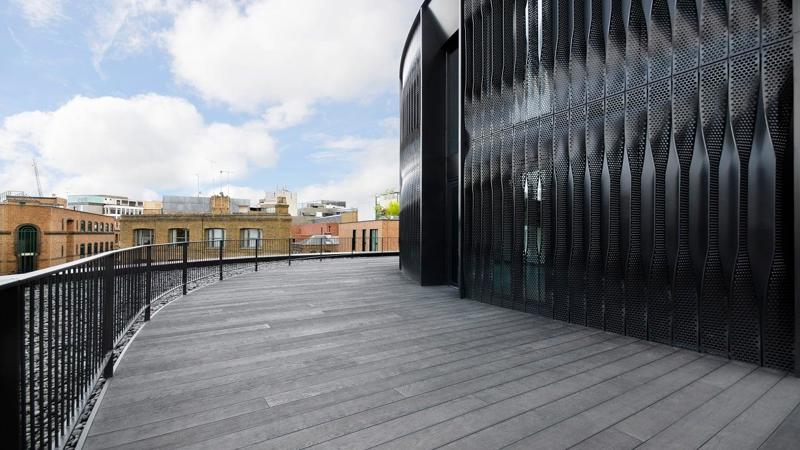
column 628, row 165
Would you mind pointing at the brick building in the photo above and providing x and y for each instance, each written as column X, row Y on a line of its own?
column 369, row 235
column 302, row 231
column 217, row 222
column 36, row 234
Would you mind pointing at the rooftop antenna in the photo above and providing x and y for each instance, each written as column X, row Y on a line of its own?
column 36, row 172
column 228, row 174
column 198, row 184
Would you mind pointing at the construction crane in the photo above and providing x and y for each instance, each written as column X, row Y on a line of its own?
column 36, row 172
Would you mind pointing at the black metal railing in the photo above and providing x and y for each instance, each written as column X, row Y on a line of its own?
column 60, row 326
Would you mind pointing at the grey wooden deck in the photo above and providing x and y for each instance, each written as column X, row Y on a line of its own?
column 349, row 353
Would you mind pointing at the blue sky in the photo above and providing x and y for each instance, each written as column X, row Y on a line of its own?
column 139, row 97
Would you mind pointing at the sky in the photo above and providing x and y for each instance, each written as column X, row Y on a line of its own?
column 147, row 97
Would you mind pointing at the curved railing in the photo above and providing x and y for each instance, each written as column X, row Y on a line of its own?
column 60, row 326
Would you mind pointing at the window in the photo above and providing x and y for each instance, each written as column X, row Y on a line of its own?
column 143, row 236
column 250, row 237
column 83, row 250
column 83, row 225
column 89, row 249
column 27, row 248
column 215, row 237
column 177, row 235
column 373, row 240
column 96, row 226
column 95, row 248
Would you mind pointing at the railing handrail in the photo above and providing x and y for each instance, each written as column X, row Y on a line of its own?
column 62, row 324
column 21, row 278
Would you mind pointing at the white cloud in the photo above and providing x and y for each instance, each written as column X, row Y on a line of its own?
column 286, row 115
column 375, row 168
column 251, row 54
column 128, row 26
column 128, row 146
column 40, row 13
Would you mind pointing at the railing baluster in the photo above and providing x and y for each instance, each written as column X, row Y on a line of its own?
column 12, row 368
column 108, row 315
column 221, row 247
column 185, row 267
column 148, row 286
column 60, row 326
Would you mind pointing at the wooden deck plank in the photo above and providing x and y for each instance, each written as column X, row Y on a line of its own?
column 350, row 353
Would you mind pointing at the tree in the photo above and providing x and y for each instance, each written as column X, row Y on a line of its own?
column 393, row 210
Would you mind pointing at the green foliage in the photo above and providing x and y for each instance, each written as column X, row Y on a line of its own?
column 393, row 209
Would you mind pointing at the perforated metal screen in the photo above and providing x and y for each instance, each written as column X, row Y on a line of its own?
column 626, row 166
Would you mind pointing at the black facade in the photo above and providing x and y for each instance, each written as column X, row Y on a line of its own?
column 625, row 165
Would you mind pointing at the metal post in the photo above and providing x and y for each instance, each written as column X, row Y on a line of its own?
column 148, row 287
column 108, row 315
column 320, row 248
column 258, row 242
column 221, row 247
column 290, row 251
column 185, row 267
column 11, row 348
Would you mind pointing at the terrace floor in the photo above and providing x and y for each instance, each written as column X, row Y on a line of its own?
column 349, row 353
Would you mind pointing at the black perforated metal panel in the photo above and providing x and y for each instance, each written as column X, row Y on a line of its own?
column 613, row 282
column 627, row 166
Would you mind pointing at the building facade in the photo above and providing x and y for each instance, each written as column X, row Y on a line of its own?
column 271, row 199
column 325, row 210
column 216, row 223
column 628, row 166
column 109, row 205
column 305, row 230
column 370, row 235
column 35, row 236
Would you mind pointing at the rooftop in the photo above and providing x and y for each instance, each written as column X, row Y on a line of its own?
column 349, row 353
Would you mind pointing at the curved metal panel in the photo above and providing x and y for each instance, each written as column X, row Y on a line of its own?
column 685, row 38
column 713, row 31
column 561, row 220
column 699, row 193
column 595, row 53
column 686, row 320
column 745, row 313
column 729, row 174
column 614, row 171
column 744, row 25
column 636, row 47
column 660, row 41
column 636, row 144
column 577, row 61
column 715, row 291
column 615, row 50
column 614, row 270
column 561, row 81
column 546, row 243
column 672, row 211
column 594, row 160
column 577, row 261
column 778, row 332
